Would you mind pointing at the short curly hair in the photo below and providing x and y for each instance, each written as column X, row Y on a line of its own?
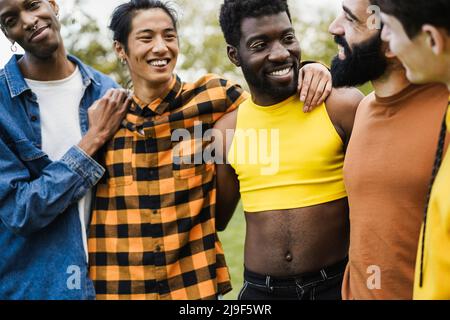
column 233, row 12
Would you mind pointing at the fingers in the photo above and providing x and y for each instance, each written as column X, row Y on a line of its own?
column 107, row 114
column 115, row 98
column 326, row 93
column 126, row 103
column 312, row 91
column 300, row 82
column 124, row 99
column 114, row 93
column 103, row 101
column 317, row 95
column 305, row 87
column 123, row 95
column 322, row 92
column 114, row 101
column 109, row 93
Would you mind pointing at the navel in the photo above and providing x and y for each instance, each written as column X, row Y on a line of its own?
column 289, row 257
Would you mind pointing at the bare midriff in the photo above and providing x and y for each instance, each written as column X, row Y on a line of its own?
column 285, row 243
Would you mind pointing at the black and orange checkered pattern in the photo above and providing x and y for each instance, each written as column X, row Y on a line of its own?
column 153, row 234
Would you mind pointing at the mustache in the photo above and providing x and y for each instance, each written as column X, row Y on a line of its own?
column 340, row 40
column 349, row 52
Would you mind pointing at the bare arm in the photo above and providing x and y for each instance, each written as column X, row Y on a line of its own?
column 342, row 105
column 227, row 195
column 226, row 180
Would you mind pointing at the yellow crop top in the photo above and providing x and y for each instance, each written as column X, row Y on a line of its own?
column 286, row 159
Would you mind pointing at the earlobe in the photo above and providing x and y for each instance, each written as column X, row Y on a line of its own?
column 118, row 48
column 389, row 54
column 233, row 55
column 387, row 51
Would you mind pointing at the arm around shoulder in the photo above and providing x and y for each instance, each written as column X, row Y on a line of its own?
column 227, row 182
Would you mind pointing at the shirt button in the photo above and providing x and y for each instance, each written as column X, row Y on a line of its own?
column 158, row 248
column 34, row 118
column 155, row 212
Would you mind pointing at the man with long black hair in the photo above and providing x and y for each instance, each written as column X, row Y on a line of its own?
column 418, row 32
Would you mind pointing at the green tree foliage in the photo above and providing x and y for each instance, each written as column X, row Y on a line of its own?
column 84, row 39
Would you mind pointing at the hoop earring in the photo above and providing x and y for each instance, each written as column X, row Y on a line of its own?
column 13, row 48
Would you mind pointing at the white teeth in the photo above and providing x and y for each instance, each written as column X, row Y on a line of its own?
column 341, row 52
column 159, row 63
column 280, row 72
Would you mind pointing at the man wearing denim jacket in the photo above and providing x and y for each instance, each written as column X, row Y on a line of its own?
column 49, row 134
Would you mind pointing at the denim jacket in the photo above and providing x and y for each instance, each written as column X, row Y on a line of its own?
column 42, row 255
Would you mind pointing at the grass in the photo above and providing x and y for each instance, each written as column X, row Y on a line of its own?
column 233, row 245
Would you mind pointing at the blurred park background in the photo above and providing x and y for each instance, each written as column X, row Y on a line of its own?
column 203, row 50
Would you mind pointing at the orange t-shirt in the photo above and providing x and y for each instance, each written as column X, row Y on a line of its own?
column 387, row 173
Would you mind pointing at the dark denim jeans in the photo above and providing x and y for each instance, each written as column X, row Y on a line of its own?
column 324, row 284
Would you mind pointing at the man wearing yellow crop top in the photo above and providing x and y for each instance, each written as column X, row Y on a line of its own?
column 286, row 165
column 419, row 34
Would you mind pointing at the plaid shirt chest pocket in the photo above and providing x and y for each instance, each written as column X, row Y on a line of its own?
column 191, row 158
column 119, row 160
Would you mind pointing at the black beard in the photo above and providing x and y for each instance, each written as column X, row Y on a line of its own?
column 263, row 85
column 366, row 62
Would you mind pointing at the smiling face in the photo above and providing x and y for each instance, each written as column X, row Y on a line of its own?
column 33, row 24
column 351, row 25
column 362, row 55
column 269, row 54
column 152, row 49
column 416, row 54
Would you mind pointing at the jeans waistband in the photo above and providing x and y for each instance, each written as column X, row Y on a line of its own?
column 301, row 279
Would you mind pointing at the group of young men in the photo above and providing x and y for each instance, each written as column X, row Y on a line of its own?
column 335, row 199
